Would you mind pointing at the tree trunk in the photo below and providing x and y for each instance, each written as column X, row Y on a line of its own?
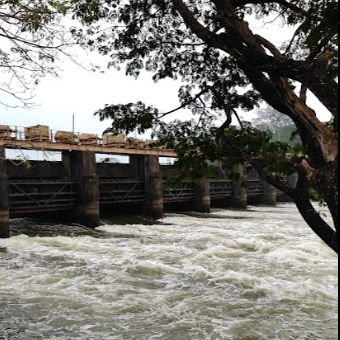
column 325, row 181
column 272, row 76
column 316, row 222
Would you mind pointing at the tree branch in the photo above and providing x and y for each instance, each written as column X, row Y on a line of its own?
column 196, row 27
column 303, row 93
column 184, row 104
column 310, row 215
column 268, row 45
column 268, row 177
column 284, row 3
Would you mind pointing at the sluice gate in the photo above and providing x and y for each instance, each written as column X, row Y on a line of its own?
column 84, row 188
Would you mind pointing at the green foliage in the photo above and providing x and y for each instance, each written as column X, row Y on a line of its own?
column 129, row 118
column 225, row 68
column 199, row 147
column 315, row 197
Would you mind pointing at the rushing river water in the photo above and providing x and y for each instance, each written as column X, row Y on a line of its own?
column 231, row 275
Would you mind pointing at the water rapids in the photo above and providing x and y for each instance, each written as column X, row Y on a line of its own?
column 231, row 275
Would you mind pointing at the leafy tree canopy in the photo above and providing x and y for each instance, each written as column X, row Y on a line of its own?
column 226, row 67
column 31, row 38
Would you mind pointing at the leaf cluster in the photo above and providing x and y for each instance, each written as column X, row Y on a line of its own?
column 201, row 147
column 224, row 67
column 129, row 118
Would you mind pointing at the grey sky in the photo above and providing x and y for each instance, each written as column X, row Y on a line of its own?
column 79, row 92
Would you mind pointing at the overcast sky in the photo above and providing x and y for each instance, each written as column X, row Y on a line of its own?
column 80, row 93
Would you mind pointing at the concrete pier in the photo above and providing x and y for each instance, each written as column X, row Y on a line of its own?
column 269, row 196
column 239, row 199
column 202, row 200
column 88, row 210
column 154, row 206
column 4, row 203
column 80, row 166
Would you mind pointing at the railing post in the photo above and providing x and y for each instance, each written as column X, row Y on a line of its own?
column 80, row 166
column 269, row 196
column 202, row 200
column 4, row 202
column 239, row 199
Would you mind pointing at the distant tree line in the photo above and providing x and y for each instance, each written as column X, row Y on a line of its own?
column 282, row 127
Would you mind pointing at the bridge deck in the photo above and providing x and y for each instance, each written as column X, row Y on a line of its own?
column 99, row 149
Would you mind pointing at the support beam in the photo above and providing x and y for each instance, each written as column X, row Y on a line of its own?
column 269, row 196
column 239, row 198
column 4, row 203
column 202, row 201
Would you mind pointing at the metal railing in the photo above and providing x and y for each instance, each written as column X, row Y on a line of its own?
column 255, row 188
column 113, row 192
column 221, row 189
column 186, row 192
column 38, row 196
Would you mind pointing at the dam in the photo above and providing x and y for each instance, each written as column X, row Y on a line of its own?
column 82, row 187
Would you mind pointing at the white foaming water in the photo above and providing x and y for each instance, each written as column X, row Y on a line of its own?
column 231, row 275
